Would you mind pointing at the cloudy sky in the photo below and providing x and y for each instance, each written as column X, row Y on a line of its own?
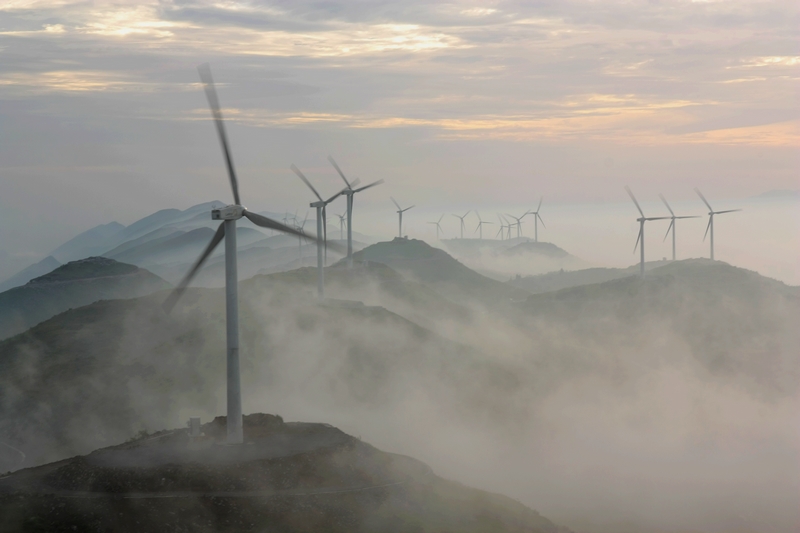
column 456, row 104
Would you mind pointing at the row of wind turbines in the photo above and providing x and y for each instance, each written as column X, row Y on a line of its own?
column 505, row 226
column 672, row 218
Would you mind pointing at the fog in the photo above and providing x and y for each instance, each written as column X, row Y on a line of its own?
column 613, row 411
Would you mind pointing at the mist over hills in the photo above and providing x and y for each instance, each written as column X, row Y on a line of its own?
column 34, row 271
column 649, row 376
column 74, row 284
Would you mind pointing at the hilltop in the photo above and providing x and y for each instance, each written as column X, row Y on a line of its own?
column 289, row 477
column 437, row 269
column 74, row 284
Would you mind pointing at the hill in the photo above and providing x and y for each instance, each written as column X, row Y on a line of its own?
column 72, row 285
column 563, row 279
column 289, row 477
column 437, row 269
column 33, row 271
column 500, row 259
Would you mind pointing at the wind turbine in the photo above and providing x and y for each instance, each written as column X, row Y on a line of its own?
column 711, row 214
column 349, row 191
column 300, row 227
column 641, row 222
column 400, row 212
column 536, row 219
column 480, row 225
column 438, row 226
column 322, row 222
column 518, row 224
column 341, row 226
column 227, row 230
column 672, row 224
column 462, row 222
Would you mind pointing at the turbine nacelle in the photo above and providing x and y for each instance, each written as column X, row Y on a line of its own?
column 229, row 212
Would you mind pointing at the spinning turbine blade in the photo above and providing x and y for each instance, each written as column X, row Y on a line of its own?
column 395, row 203
column 332, row 198
column 666, row 204
column 374, row 183
column 628, row 189
column 339, row 170
column 727, row 211
column 707, row 228
column 540, row 219
column 407, row 208
column 264, row 222
column 638, row 238
column 213, row 102
column 175, row 295
column 703, row 198
column 540, row 204
column 305, row 180
column 669, row 228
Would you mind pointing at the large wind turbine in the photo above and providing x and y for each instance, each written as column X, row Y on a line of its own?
column 227, row 230
column 321, row 223
column 481, row 222
column 349, row 191
column 518, row 224
column 536, row 219
column 711, row 214
column 672, row 224
column 640, row 239
column 400, row 212
column 438, row 227
column 462, row 222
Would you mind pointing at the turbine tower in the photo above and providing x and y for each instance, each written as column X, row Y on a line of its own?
column 438, row 227
column 480, row 224
column 400, row 212
column 711, row 214
column 321, row 223
column 640, row 239
column 349, row 191
column 227, row 230
column 672, row 224
column 536, row 219
column 518, row 224
column 462, row 222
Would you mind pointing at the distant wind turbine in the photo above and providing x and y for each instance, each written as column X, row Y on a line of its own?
column 518, row 224
column 341, row 225
column 227, row 230
column 400, row 212
column 322, row 223
column 672, row 224
column 438, row 226
column 711, row 214
column 640, row 238
column 481, row 222
column 536, row 219
column 349, row 192
column 462, row 222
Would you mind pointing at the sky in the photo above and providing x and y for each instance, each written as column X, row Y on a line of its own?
column 457, row 105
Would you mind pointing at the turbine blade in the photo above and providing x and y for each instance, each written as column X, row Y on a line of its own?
column 703, row 198
column 540, row 205
column 395, row 203
column 727, row 211
column 707, row 228
column 628, row 189
column 671, row 224
column 440, row 218
column 407, row 208
column 540, row 220
column 213, row 102
column 692, row 216
column 264, row 222
column 374, row 183
column 355, row 182
column 467, row 213
column 666, row 204
column 658, row 218
column 339, row 170
column 305, row 180
column 175, row 295
column 332, row 198
column 638, row 238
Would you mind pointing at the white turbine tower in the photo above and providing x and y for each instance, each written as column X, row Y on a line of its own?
column 462, row 222
column 518, row 224
column 481, row 222
column 711, row 214
column 438, row 227
column 672, row 224
column 227, row 230
column 536, row 219
column 321, row 223
column 349, row 191
column 400, row 212
column 640, row 238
